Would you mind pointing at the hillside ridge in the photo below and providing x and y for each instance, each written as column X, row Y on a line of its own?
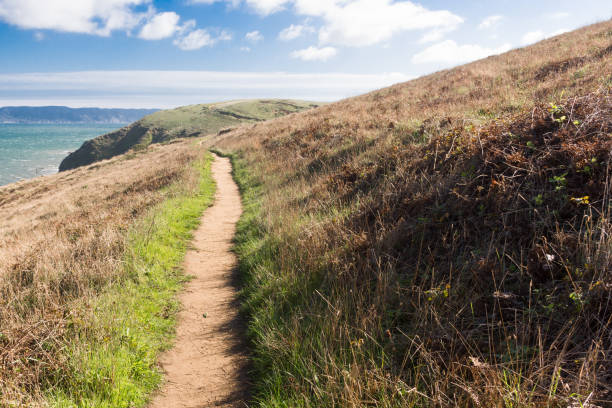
column 186, row 121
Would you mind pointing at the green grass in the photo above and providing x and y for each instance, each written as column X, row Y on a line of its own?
column 112, row 358
column 268, row 299
column 209, row 118
column 186, row 121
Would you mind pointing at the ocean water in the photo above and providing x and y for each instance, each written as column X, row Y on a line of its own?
column 28, row 151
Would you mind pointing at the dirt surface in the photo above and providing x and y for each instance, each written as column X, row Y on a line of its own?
column 207, row 366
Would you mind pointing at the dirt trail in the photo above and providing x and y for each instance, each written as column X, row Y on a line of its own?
column 206, row 367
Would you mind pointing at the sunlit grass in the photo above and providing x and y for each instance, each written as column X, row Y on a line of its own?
column 114, row 348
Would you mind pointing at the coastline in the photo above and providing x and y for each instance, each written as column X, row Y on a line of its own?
column 28, row 151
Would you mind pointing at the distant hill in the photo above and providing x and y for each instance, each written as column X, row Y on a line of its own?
column 187, row 121
column 63, row 114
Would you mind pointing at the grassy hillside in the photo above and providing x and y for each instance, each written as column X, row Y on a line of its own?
column 442, row 242
column 187, row 121
column 89, row 270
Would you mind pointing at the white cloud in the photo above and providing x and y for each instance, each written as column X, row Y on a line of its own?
column 102, row 17
column 195, row 40
column 368, row 22
column 254, row 36
column 266, row 7
column 435, row 35
column 559, row 15
column 191, row 39
column 39, row 36
column 294, row 31
column 361, row 22
column 162, row 25
column 559, row 32
column 263, row 7
column 538, row 35
column 449, row 52
column 97, row 17
column 532, row 37
column 224, row 36
column 490, row 22
column 315, row 54
column 245, row 49
column 166, row 89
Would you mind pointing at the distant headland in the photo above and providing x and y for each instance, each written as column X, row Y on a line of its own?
column 66, row 115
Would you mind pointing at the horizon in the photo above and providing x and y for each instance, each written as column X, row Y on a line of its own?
column 160, row 54
column 69, row 107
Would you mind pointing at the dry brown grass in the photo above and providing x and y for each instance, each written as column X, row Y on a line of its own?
column 431, row 244
column 62, row 240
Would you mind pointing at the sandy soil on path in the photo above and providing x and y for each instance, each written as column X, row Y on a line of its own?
column 206, row 367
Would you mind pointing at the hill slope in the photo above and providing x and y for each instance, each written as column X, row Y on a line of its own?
column 442, row 242
column 187, row 121
column 90, row 263
column 63, row 114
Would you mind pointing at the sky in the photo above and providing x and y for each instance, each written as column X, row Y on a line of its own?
column 163, row 54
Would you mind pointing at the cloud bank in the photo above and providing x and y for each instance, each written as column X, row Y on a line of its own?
column 167, row 89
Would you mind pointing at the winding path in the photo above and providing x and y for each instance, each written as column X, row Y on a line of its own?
column 207, row 366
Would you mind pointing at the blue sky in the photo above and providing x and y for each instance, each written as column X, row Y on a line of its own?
column 161, row 53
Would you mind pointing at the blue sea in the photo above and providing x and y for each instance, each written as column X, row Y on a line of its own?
column 28, row 151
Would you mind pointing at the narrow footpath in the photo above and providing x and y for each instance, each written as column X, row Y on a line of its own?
column 207, row 365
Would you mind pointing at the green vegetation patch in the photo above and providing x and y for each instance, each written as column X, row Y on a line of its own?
column 115, row 347
column 275, row 302
column 186, row 121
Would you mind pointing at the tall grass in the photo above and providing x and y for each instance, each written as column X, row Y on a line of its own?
column 88, row 275
column 421, row 246
column 114, row 345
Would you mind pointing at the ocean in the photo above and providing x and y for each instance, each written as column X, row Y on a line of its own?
column 28, row 151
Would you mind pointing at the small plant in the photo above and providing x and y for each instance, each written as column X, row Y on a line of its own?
column 560, row 182
column 554, row 109
column 539, row 199
column 578, row 299
column 580, row 73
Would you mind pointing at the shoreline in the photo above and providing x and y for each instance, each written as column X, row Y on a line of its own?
column 29, row 151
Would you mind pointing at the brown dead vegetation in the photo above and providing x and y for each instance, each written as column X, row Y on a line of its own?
column 456, row 228
column 61, row 241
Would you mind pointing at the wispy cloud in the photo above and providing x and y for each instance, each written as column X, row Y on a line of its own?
column 254, row 37
column 538, row 35
column 559, row 15
column 315, row 54
column 450, row 53
column 194, row 40
column 490, row 22
column 165, row 89
column 295, row 31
